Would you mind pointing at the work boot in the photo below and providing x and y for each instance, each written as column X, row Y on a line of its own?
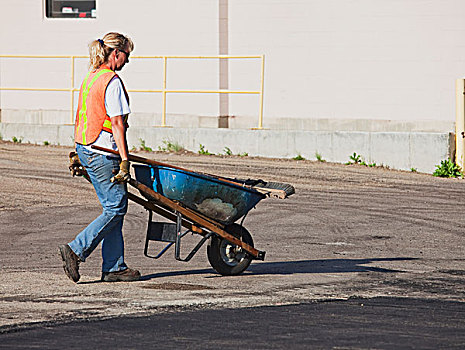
column 70, row 262
column 127, row 275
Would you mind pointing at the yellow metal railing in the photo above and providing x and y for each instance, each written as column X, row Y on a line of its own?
column 164, row 91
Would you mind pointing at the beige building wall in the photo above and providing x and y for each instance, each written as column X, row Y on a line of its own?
column 330, row 64
column 361, row 59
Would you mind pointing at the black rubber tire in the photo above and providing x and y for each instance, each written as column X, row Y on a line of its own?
column 226, row 258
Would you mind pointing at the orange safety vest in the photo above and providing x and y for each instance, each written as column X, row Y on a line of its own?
column 91, row 116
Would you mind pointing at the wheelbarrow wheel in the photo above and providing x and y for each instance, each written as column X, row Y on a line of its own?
column 226, row 258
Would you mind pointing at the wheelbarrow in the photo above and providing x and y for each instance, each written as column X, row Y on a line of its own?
column 201, row 204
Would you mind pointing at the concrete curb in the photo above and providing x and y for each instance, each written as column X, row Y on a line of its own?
column 398, row 150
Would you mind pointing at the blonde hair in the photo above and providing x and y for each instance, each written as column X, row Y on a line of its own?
column 100, row 49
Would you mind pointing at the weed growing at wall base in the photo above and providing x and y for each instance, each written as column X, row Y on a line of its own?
column 143, row 147
column 170, row 146
column 298, row 157
column 448, row 168
column 203, row 150
column 357, row 159
column 319, row 157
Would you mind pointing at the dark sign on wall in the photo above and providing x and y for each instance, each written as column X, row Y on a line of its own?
column 70, row 8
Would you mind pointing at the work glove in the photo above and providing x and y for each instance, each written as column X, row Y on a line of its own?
column 123, row 174
column 75, row 165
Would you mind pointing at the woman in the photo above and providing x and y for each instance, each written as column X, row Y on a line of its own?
column 101, row 119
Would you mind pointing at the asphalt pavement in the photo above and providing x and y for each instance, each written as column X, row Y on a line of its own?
column 377, row 323
column 358, row 258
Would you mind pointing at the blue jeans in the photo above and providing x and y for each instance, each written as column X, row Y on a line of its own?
column 107, row 228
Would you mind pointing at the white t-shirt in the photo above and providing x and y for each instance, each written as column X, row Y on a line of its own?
column 116, row 104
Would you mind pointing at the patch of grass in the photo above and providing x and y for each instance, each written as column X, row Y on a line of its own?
column 170, row 146
column 17, row 139
column 448, row 168
column 227, row 151
column 298, row 157
column 203, row 150
column 46, row 143
column 143, row 147
column 243, row 154
column 413, row 170
column 319, row 157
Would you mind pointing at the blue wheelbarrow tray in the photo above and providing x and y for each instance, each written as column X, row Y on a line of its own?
column 218, row 199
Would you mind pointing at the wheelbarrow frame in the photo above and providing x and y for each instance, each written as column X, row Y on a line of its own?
column 193, row 221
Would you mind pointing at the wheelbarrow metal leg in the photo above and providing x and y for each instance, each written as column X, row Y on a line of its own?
column 177, row 249
column 156, row 233
column 171, row 233
column 179, row 235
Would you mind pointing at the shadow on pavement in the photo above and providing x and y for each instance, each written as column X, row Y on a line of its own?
column 357, row 323
column 299, row 266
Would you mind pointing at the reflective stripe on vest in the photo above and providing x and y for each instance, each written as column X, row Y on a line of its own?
column 107, row 124
column 83, row 110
